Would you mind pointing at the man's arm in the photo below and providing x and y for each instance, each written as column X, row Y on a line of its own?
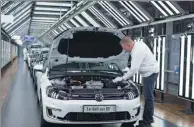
column 137, row 59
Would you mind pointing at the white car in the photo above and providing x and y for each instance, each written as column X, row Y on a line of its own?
column 75, row 86
column 38, row 65
column 33, row 50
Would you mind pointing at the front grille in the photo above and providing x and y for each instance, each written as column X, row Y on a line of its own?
column 92, row 97
column 89, row 94
column 73, row 116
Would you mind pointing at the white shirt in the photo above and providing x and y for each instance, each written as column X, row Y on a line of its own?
column 143, row 61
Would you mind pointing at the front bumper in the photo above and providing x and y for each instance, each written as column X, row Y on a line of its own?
column 71, row 111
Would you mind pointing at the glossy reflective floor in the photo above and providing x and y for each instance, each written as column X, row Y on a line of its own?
column 21, row 110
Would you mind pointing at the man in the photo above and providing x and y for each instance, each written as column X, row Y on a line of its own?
column 144, row 62
column 24, row 53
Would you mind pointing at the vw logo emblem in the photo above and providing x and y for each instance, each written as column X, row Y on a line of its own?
column 99, row 97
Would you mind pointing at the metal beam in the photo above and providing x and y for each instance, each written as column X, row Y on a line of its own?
column 178, row 7
column 11, row 9
column 54, row 7
column 47, row 16
column 18, row 16
column 70, row 14
column 49, row 11
column 20, row 27
column 31, row 14
column 119, row 12
column 170, row 19
column 6, row 5
column 18, row 24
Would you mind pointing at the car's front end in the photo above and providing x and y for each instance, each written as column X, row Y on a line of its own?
column 76, row 85
column 91, row 111
column 89, row 96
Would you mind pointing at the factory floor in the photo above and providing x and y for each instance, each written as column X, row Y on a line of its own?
column 20, row 108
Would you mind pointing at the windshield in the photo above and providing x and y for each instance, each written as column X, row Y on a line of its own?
column 75, row 66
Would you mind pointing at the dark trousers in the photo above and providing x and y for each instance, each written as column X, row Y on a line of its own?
column 149, row 83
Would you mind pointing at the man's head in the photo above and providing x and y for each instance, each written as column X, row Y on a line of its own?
column 127, row 43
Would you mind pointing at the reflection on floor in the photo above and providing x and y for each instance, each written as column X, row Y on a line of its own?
column 7, row 78
column 21, row 110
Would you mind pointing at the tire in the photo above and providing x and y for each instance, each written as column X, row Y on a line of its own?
column 43, row 123
column 128, row 124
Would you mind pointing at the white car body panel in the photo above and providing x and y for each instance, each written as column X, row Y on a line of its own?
column 77, row 105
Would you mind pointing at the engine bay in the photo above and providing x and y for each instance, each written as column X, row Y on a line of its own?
column 87, row 82
column 87, row 87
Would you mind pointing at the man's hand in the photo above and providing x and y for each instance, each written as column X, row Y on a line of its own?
column 117, row 79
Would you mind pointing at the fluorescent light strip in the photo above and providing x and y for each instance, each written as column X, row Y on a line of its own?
column 46, row 18
column 166, row 8
column 159, row 44
column 130, row 11
column 41, row 25
column 122, row 18
column 81, row 21
column 139, row 10
column 67, row 25
column 74, row 23
column 19, row 9
column 112, row 13
column 56, row 32
column 17, row 21
column 100, row 17
column 47, row 13
column 173, row 7
column 140, row 79
column 134, row 78
column 137, row 78
column 92, row 21
column 43, row 21
column 104, row 6
column 134, row 10
column 163, row 62
column 155, row 41
column 60, row 29
column 193, row 76
column 63, row 27
column 188, row 65
column 27, row 21
column 182, row 65
column 49, row 9
column 164, row 13
column 8, row 9
column 54, row 4
column 23, row 12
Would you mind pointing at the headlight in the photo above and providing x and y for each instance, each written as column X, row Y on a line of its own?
column 131, row 92
column 56, row 93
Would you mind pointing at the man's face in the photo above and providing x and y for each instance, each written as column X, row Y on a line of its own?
column 126, row 46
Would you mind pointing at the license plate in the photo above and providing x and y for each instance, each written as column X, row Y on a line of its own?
column 96, row 109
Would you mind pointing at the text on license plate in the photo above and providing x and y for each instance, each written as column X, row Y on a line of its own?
column 100, row 108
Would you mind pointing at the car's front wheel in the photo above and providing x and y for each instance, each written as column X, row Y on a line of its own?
column 43, row 123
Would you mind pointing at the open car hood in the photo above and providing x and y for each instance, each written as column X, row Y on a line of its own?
column 88, row 44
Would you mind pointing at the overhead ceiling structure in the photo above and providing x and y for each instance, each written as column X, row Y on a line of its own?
column 52, row 18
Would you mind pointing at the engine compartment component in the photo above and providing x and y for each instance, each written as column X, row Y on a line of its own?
column 94, row 84
column 87, row 83
column 72, row 88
